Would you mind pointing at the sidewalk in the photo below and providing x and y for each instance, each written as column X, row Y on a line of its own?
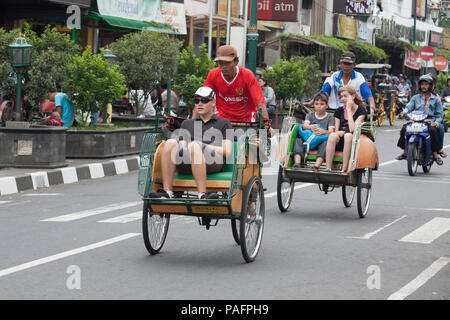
column 14, row 180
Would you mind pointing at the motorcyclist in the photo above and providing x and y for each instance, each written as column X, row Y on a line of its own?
column 427, row 102
column 446, row 91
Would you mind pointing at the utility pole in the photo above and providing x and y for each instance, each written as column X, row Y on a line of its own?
column 253, row 36
column 414, row 39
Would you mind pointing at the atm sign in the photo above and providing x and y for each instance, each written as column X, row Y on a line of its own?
column 277, row 10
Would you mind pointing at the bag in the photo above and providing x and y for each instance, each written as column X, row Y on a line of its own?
column 173, row 123
column 311, row 141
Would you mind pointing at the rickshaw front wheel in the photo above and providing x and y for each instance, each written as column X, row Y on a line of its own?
column 285, row 190
column 348, row 194
column 252, row 219
column 154, row 229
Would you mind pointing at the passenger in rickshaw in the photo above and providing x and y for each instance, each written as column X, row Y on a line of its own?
column 321, row 123
column 346, row 119
column 203, row 151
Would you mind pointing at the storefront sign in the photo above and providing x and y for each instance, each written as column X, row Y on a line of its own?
column 347, row 27
column 142, row 10
column 277, row 10
column 435, row 39
column 359, row 7
column 363, row 32
column 173, row 14
column 222, row 8
column 440, row 63
column 411, row 59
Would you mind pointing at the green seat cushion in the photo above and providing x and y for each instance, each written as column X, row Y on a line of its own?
column 226, row 174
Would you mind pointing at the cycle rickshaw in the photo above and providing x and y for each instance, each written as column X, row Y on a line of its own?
column 363, row 160
column 239, row 186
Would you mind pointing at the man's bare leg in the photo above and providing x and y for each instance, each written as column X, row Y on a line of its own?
column 198, row 165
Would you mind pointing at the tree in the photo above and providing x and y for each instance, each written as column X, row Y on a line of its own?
column 287, row 77
column 146, row 59
column 90, row 79
column 192, row 72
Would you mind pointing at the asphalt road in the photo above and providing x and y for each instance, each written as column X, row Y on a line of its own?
column 83, row 241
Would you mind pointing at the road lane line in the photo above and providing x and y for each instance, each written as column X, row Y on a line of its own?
column 42, row 194
column 420, row 280
column 430, row 209
column 273, row 194
column 124, row 218
column 66, row 254
column 428, row 232
column 371, row 234
column 412, row 180
column 5, row 202
column 92, row 212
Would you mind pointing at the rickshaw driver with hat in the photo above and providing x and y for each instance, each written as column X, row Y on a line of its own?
column 346, row 76
column 204, row 154
column 235, row 86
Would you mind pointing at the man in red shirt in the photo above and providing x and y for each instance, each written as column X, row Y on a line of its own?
column 233, row 85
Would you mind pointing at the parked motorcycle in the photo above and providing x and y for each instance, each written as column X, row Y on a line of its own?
column 418, row 143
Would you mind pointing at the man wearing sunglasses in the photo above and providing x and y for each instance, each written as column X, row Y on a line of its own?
column 346, row 76
column 202, row 145
column 236, row 88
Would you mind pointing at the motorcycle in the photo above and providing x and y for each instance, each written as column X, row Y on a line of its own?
column 418, row 143
column 445, row 105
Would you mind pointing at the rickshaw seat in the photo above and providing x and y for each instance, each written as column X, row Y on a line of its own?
column 225, row 175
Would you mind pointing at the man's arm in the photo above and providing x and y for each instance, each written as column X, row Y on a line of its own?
column 263, row 107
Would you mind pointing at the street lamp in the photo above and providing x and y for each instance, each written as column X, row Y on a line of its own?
column 20, row 58
column 434, row 13
column 109, row 56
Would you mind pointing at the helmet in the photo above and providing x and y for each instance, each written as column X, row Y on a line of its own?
column 427, row 78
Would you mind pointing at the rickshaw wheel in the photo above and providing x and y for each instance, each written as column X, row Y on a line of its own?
column 381, row 115
column 235, row 229
column 392, row 114
column 154, row 229
column 285, row 190
column 364, row 190
column 348, row 194
column 252, row 219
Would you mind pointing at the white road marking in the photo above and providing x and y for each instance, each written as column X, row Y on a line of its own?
column 430, row 209
column 65, row 254
column 371, row 234
column 69, row 175
column 124, row 218
column 273, row 194
column 92, row 212
column 420, row 280
column 42, row 194
column 412, row 180
column 8, row 185
column 96, row 170
column 5, row 202
column 429, row 232
column 388, row 162
column 121, row 166
column 40, row 179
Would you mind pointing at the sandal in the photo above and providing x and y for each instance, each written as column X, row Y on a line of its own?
column 401, row 157
column 438, row 161
column 443, row 154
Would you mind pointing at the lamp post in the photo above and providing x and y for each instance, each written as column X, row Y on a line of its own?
column 111, row 58
column 20, row 58
column 252, row 36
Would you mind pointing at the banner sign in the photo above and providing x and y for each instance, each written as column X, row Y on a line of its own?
column 390, row 29
column 141, row 10
column 421, row 9
column 427, row 53
column 436, row 39
column 412, row 59
column 359, row 7
column 277, row 10
column 222, row 8
column 347, row 27
column 440, row 63
column 173, row 14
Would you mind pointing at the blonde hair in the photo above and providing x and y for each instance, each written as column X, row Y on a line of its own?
column 351, row 90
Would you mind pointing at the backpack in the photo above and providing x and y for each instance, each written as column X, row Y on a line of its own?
column 311, row 141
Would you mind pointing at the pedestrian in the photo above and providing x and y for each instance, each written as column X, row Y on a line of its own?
column 62, row 106
column 269, row 95
column 173, row 108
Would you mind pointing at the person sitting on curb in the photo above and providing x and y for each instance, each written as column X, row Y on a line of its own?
column 197, row 151
column 63, row 107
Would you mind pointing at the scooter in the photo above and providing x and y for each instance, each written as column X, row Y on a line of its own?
column 418, row 143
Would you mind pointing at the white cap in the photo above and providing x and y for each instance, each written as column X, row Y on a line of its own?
column 205, row 92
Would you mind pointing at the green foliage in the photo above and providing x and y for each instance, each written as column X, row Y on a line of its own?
column 365, row 52
column 146, row 59
column 52, row 52
column 287, row 78
column 441, row 82
column 89, row 79
column 313, row 74
column 192, row 72
column 335, row 43
column 447, row 116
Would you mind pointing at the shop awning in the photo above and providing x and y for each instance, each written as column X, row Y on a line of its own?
column 132, row 24
column 276, row 42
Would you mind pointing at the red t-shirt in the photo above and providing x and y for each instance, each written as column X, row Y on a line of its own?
column 230, row 95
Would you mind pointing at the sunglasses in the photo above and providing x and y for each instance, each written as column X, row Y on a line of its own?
column 202, row 100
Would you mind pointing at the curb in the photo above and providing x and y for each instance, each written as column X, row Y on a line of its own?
column 45, row 179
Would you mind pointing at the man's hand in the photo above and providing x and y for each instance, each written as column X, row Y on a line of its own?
column 432, row 123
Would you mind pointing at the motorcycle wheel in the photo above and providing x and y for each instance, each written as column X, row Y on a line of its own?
column 426, row 168
column 413, row 158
